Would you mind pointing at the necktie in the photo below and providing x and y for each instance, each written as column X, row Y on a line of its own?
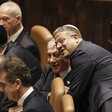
column 10, row 44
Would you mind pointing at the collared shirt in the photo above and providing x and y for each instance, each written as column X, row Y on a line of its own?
column 13, row 38
column 21, row 100
column 64, row 73
column 15, row 35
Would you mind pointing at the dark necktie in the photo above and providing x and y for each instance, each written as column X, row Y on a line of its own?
column 10, row 44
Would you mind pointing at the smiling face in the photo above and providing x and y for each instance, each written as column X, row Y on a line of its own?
column 65, row 43
column 56, row 61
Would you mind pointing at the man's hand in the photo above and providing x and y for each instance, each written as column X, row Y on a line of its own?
column 16, row 109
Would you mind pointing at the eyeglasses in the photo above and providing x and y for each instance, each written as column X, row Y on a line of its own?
column 61, row 41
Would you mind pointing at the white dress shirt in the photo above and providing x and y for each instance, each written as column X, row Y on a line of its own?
column 13, row 38
column 21, row 100
column 64, row 73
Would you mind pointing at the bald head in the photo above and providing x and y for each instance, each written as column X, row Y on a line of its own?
column 12, row 8
column 10, row 17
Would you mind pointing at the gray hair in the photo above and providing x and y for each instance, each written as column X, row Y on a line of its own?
column 68, row 28
column 12, row 7
column 52, row 41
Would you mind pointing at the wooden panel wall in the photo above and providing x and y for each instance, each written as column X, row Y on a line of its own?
column 91, row 17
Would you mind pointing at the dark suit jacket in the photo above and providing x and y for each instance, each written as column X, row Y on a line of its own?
column 91, row 77
column 44, row 83
column 36, row 102
column 26, row 41
column 16, row 50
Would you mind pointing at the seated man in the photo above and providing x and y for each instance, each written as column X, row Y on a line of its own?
column 17, row 50
column 15, row 80
column 57, row 65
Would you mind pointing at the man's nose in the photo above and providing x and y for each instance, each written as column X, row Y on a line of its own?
column 52, row 59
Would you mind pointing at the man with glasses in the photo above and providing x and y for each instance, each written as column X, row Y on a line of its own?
column 90, row 78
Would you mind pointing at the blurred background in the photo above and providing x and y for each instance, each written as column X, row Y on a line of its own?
column 92, row 17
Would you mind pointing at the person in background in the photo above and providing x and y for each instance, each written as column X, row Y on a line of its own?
column 19, row 51
column 57, row 65
column 11, row 19
column 15, row 80
column 90, row 81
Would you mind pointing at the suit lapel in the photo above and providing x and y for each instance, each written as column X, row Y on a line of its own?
column 21, row 35
column 68, row 79
column 29, row 98
column 9, row 46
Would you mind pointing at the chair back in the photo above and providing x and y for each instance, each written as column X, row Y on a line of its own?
column 41, row 36
column 67, row 103
column 57, row 91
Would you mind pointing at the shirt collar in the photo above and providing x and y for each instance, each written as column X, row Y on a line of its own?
column 15, row 35
column 21, row 100
column 64, row 73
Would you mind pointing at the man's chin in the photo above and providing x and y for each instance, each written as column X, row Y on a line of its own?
column 66, row 55
column 56, row 70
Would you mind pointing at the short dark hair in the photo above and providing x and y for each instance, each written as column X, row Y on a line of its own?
column 15, row 68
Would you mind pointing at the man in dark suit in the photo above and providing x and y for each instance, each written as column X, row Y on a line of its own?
column 10, row 18
column 17, row 50
column 15, row 81
column 57, row 65
column 90, row 78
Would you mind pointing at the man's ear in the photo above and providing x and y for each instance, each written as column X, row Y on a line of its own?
column 76, row 37
column 18, row 83
column 18, row 17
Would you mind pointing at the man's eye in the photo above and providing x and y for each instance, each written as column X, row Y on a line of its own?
column 56, row 55
column 48, row 55
column 61, row 41
column 2, row 84
column 4, row 18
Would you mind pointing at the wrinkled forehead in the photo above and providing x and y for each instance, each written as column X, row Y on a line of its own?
column 5, row 12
